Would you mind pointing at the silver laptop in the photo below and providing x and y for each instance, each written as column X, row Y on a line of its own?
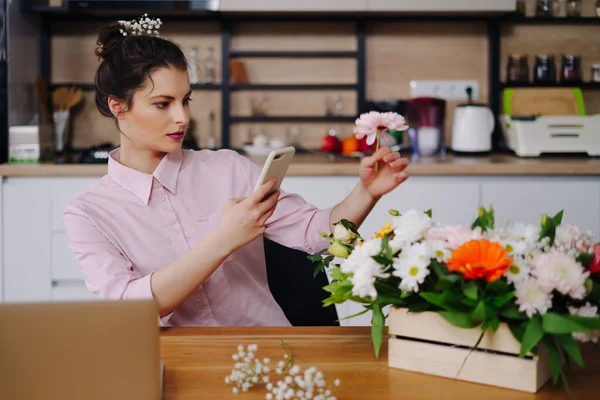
column 80, row 350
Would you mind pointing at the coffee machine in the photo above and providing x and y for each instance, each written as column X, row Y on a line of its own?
column 426, row 117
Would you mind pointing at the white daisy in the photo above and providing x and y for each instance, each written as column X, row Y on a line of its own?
column 520, row 270
column 531, row 298
column 364, row 269
column 558, row 271
column 586, row 311
column 409, row 227
column 437, row 249
column 412, row 266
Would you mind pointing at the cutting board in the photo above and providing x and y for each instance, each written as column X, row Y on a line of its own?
column 543, row 101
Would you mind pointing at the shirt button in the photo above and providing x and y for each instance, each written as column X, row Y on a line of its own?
column 175, row 231
column 163, row 198
column 202, row 306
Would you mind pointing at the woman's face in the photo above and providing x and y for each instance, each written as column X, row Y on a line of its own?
column 159, row 113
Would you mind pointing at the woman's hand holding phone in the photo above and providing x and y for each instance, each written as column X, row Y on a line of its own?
column 244, row 219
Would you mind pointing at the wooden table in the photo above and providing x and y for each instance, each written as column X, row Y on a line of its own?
column 198, row 359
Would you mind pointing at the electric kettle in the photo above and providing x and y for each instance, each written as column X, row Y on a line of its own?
column 473, row 127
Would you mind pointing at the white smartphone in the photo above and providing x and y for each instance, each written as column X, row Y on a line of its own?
column 276, row 166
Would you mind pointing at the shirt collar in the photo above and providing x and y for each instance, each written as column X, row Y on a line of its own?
column 140, row 183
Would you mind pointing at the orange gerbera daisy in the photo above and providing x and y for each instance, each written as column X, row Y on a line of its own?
column 480, row 258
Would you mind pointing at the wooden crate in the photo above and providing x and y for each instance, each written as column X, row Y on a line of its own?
column 425, row 342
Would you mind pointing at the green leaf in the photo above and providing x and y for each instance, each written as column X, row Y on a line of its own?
column 595, row 292
column 493, row 322
column 318, row 269
column 497, row 287
column 479, row 313
column 383, row 300
column 459, row 319
column 557, row 219
column 517, row 329
column 554, row 357
column 446, row 282
column 394, row 213
column 366, row 310
column 558, row 324
column 500, row 301
column 337, row 274
column 585, row 259
column 533, row 334
column 548, row 228
column 351, row 226
column 569, row 345
column 468, row 302
column 485, row 219
column 377, row 328
column 442, row 300
column 429, row 212
column 511, row 311
column 419, row 307
column 470, row 290
column 387, row 250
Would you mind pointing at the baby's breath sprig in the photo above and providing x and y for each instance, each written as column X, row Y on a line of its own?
column 250, row 371
column 141, row 26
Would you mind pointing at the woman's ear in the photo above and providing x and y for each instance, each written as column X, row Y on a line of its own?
column 117, row 106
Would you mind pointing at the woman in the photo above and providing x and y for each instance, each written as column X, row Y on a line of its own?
column 184, row 227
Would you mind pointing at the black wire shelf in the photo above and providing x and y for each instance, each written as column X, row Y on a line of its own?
column 316, row 118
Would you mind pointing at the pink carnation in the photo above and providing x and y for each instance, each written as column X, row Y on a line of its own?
column 368, row 124
column 453, row 236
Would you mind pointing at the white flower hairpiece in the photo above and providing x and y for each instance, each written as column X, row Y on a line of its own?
column 142, row 26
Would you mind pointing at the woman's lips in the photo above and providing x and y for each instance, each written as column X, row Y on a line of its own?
column 176, row 136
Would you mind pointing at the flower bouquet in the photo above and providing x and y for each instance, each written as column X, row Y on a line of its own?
column 522, row 292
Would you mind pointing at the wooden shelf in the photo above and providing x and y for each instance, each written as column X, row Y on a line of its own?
column 322, row 118
column 550, row 20
column 296, row 86
column 88, row 87
column 582, row 85
column 294, row 54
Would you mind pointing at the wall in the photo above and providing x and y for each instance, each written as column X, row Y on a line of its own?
column 396, row 54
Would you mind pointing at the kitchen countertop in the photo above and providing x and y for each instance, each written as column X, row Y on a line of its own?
column 197, row 359
column 315, row 164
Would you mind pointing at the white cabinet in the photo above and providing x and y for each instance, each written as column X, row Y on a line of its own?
column 289, row 5
column 526, row 199
column 442, row 5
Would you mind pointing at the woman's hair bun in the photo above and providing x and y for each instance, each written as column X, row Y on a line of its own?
column 109, row 37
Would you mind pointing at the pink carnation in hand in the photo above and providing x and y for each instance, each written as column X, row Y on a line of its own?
column 368, row 124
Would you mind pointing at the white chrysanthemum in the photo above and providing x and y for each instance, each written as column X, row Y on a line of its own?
column 453, row 236
column 517, row 239
column 409, row 227
column 437, row 249
column 561, row 272
column 531, row 298
column 570, row 240
column 364, row 269
column 412, row 266
column 587, row 310
column 520, row 270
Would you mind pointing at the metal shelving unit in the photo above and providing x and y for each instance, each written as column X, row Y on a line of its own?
column 494, row 27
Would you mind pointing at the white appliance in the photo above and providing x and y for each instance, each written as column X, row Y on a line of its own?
column 472, row 128
column 532, row 136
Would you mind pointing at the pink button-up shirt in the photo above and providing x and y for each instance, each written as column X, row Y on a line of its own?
column 131, row 224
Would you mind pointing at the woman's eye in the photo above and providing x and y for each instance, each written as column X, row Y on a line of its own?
column 187, row 101
column 161, row 105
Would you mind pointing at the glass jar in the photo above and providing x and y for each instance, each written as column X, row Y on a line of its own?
column 517, row 70
column 598, row 8
column 571, row 68
column 543, row 8
column 545, row 69
column 595, row 72
column 559, row 8
column 574, row 8
column 522, row 8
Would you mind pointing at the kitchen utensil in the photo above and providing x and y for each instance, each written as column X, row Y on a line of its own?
column 526, row 102
column 426, row 118
column 530, row 137
column 473, row 127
